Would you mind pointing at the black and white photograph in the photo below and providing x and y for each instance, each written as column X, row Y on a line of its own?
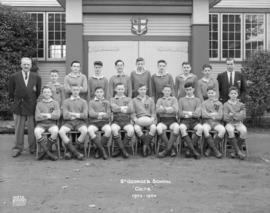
column 135, row 106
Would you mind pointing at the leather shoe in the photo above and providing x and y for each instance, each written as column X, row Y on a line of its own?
column 16, row 153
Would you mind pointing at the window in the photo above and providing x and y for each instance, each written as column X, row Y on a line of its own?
column 213, row 36
column 231, row 36
column 254, row 33
column 56, row 36
column 38, row 19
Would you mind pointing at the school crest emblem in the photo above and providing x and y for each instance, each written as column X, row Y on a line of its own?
column 139, row 25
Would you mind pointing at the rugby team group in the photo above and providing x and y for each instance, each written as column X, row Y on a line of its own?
column 141, row 106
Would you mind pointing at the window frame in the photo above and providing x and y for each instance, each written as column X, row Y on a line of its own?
column 244, row 36
column 219, row 40
column 47, row 38
column 44, row 35
column 241, row 36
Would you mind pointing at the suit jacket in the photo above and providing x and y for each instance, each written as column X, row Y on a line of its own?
column 24, row 97
column 239, row 82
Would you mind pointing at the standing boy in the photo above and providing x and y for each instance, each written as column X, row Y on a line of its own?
column 99, row 120
column 212, row 114
column 167, row 109
column 122, row 109
column 97, row 80
column 161, row 78
column 207, row 81
column 120, row 77
column 75, row 113
column 144, row 116
column 140, row 76
column 24, row 89
column 46, row 115
column 75, row 77
column 183, row 78
column 58, row 92
column 190, row 113
column 234, row 115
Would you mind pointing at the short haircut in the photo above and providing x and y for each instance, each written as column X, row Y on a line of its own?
column 139, row 59
column 167, row 86
column 75, row 62
column 98, row 63
column 189, row 84
column 162, row 61
column 46, row 87
column 117, row 61
column 97, row 88
column 119, row 84
column 141, row 85
column 186, row 63
column 206, row 66
column 26, row 59
column 233, row 88
column 54, row 71
column 211, row 88
column 229, row 59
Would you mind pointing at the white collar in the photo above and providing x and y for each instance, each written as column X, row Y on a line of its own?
column 186, row 77
column 74, row 75
column 161, row 74
column 96, row 99
column 98, row 77
column 47, row 101
column 74, row 98
column 193, row 96
column 206, row 79
column 118, row 97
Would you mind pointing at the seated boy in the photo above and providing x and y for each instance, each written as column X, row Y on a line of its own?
column 190, row 113
column 167, row 109
column 122, row 108
column 212, row 114
column 99, row 120
column 46, row 115
column 144, row 116
column 74, row 118
column 234, row 114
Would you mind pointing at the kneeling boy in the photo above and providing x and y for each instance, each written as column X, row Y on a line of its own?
column 190, row 113
column 234, row 115
column 212, row 114
column 46, row 115
column 167, row 109
column 122, row 108
column 144, row 116
column 75, row 116
column 99, row 119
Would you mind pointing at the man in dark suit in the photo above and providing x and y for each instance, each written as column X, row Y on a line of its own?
column 231, row 78
column 24, row 89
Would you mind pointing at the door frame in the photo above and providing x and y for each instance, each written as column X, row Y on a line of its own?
column 88, row 38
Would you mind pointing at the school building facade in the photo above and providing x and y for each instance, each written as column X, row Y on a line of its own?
column 199, row 31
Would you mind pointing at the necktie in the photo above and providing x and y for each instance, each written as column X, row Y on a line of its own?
column 26, row 76
column 231, row 80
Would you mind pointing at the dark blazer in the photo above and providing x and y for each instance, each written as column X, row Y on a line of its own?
column 239, row 82
column 24, row 97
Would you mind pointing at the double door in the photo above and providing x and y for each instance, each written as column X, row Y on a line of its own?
column 174, row 52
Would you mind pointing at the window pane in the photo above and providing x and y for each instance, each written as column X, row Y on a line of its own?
column 213, row 36
column 57, row 36
column 254, row 33
column 38, row 20
column 231, row 32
